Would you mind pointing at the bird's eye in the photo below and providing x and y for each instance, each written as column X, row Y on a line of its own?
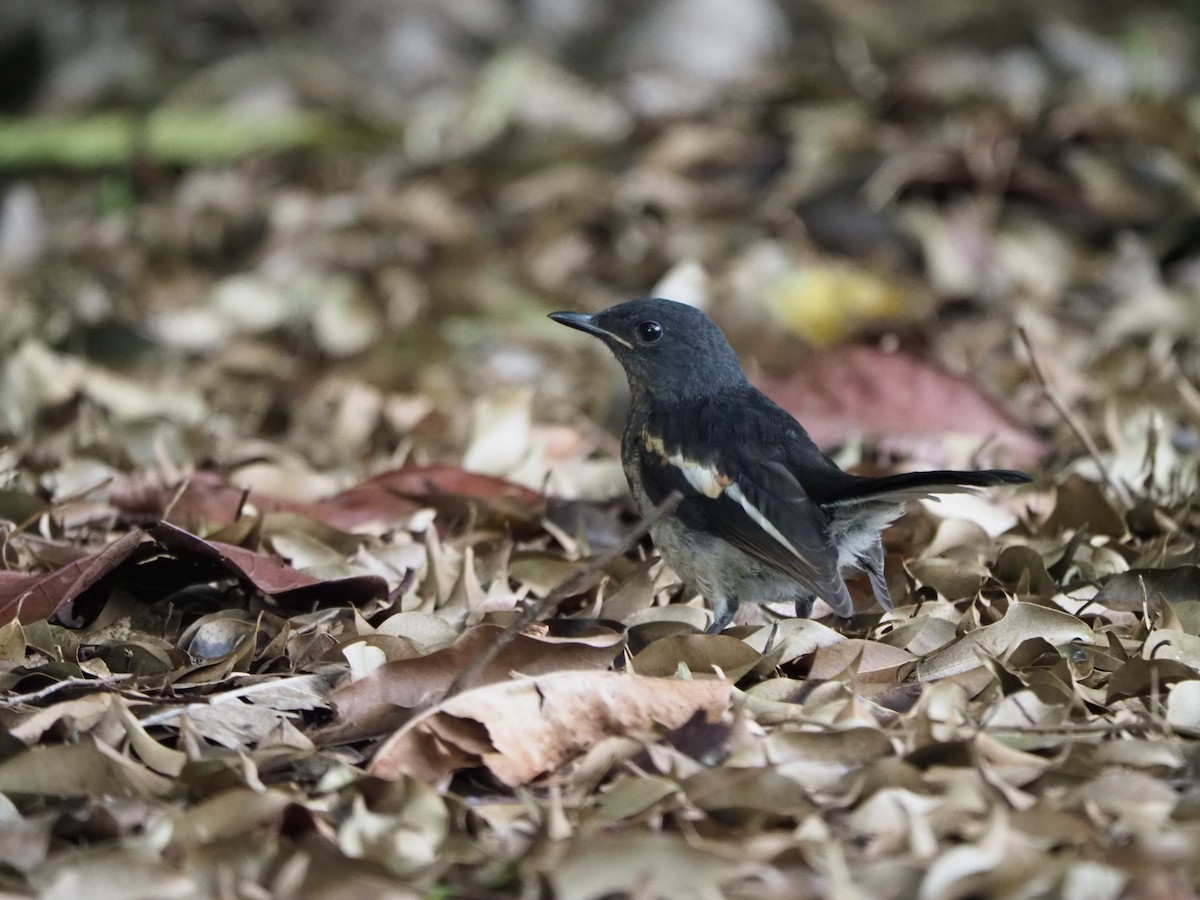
column 648, row 332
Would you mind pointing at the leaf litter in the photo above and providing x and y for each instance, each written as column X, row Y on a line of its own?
column 318, row 577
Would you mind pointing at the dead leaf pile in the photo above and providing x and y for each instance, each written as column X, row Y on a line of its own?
column 287, row 447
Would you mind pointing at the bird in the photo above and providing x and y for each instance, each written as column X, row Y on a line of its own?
column 761, row 514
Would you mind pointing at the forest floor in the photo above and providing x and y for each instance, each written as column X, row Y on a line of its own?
column 288, row 445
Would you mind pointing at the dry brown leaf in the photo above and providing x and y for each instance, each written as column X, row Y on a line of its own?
column 410, row 683
column 116, row 872
column 85, row 769
column 28, row 598
column 174, row 305
column 1022, row 622
column 526, row 728
column 226, row 816
column 700, row 654
column 817, row 759
column 861, row 391
column 1082, row 504
column 1140, row 589
column 633, row 796
column 862, row 661
column 657, row 865
column 270, row 574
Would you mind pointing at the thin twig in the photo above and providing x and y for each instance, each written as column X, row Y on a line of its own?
column 1056, row 400
column 579, row 582
column 178, row 495
column 56, row 687
column 1098, row 728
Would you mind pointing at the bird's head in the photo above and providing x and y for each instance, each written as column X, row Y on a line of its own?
column 668, row 349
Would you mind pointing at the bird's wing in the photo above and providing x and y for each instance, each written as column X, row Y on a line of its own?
column 758, row 507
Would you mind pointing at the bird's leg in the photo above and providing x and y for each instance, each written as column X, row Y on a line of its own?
column 804, row 607
column 872, row 563
column 723, row 609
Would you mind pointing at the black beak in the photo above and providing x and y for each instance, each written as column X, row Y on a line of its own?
column 580, row 321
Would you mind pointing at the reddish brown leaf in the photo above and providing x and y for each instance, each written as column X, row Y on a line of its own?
column 452, row 491
column 361, row 508
column 410, row 682
column 857, row 390
column 270, row 574
column 30, row 598
column 208, row 500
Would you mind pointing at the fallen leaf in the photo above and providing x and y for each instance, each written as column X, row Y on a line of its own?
column 816, row 759
column 270, row 574
column 1022, row 622
column 864, row 392
column 1082, row 504
column 84, row 769
column 29, row 598
column 649, row 864
column 1148, row 588
column 826, row 304
column 701, row 654
column 410, row 683
column 526, row 728
column 862, row 661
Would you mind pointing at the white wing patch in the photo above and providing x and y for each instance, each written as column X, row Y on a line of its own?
column 704, row 478
column 711, row 483
column 707, row 481
column 735, row 494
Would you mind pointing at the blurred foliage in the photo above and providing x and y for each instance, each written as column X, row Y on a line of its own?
column 286, row 442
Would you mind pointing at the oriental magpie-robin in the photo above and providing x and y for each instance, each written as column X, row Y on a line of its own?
column 765, row 516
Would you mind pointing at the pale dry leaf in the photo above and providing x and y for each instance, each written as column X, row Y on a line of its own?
column 633, row 796
column 500, row 426
column 526, row 728
column 164, row 760
column 1169, row 643
column 701, row 654
column 234, row 724
column 1021, row 622
column 24, row 841
column 652, row 865
column 83, row 769
column 790, row 639
column 403, row 843
column 816, row 759
column 363, row 659
column 411, row 682
column 291, row 692
column 226, row 816
column 114, row 873
column 1183, row 706
column 862, row 661
column 425, row 632
column 80, row 715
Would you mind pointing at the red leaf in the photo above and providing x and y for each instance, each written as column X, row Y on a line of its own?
column 432, row 482
column 864, row 391
column 269, row 574
column 30, row 597
column 208, row 500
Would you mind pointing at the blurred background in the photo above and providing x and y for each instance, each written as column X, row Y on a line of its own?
column 325, row 234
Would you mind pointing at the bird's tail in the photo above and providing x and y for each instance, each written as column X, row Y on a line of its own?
column 915, row 485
